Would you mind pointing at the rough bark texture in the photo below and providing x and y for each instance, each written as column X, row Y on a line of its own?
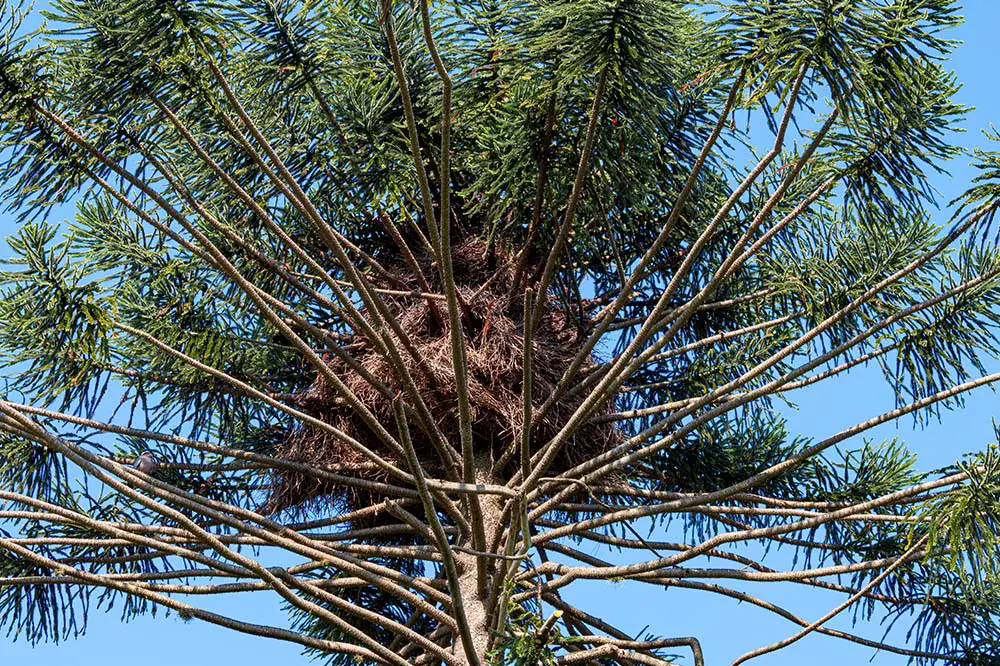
column 475, row 591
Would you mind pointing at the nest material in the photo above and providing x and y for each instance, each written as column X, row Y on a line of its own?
column 493, row 326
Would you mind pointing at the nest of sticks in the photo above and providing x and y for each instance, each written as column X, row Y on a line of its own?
column 493, row 324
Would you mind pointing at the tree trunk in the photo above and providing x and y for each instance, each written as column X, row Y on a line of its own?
column 476, row 592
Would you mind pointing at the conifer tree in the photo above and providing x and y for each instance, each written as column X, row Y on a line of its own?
column 399, row 312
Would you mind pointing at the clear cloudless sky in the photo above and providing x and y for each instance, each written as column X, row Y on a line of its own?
column 726, row 628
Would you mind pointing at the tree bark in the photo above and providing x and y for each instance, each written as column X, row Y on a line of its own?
column 475, row 592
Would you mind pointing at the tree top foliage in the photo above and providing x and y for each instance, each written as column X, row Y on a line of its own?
column 421, row 296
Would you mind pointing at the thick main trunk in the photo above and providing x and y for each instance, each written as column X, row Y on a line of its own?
column 476, row 591
column 475, row 602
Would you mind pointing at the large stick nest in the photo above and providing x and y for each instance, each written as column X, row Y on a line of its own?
column 493, row 324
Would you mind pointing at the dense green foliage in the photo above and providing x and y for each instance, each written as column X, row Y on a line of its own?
column 212, row 194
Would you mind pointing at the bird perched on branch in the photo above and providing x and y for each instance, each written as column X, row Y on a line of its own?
column 145, row 463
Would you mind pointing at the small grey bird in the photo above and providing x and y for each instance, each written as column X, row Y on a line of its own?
column 145, row 463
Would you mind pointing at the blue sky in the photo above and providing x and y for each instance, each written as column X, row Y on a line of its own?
column 726, row 628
